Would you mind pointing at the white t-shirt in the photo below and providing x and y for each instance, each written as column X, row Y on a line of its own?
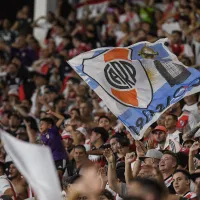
column 4, row 184
column 174, row 136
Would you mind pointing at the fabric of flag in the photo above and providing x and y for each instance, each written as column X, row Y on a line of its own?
column 36, row 164
column 137, row 83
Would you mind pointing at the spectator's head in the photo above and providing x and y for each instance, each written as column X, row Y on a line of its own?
column 13, row 69
column 104, row 121
column 171, row 121
column 176, row 37
column 114, row 143
column 185, row 10
column 146, row 189
column 6, row 24
column 85, row 109
column 186, row 61
column 27, row 103
column 81, row 134
column 182, row 160
column 161, row 120
column 74, row 112
column 196, row 179
column 152, row 157
column 160, row 134
column 2, row 168
column 181, row 182
column 190, row 100
column 5, row 118
column 21, row 41
column 14, row 120
column 168, row 162
column 40, row 79
column 123, row 146
column 188, row 143
column 59, row 104
column 196, row 35
column 80, row 154
column 13, row 172
column 45, row 124
column 184, row 22
column 67, row 140
column 50, row 16
column 99, row 136
column 106, row 195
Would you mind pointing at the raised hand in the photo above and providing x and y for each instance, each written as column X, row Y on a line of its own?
column 109, row 155
column 130, row 157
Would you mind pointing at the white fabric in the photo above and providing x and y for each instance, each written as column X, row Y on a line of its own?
column 174, row 136
column 35, row 163
column 4, row 184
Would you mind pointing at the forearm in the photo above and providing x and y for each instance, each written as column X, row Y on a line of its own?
column 136, row 168
column 128, row 173
column 60, row 118
column 191, row 163
column 112, row 177
column 31, row 135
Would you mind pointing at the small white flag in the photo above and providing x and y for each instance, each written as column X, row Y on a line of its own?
column 35, row 163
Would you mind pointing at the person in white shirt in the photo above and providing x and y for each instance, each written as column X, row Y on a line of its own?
column 171, row 126
column 5, row 185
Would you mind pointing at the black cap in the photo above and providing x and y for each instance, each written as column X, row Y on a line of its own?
column 103, row 132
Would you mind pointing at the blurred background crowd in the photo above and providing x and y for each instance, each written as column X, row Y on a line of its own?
column 35, row 78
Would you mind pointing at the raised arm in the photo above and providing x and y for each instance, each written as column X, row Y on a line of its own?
column 112, row 176
column 58, row 116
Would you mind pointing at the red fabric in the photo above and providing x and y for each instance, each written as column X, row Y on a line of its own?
column 21, row 92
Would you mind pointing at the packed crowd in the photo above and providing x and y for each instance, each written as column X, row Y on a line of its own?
column 43, row 101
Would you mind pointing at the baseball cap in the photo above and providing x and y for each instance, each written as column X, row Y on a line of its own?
column 159, row 128
column 13, row 92
column 152, row 153
column 66, row 135
column 82, row 130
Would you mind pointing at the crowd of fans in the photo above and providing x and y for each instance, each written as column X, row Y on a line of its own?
column 43, row 101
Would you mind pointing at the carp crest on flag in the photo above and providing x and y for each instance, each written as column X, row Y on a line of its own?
column 137, row 83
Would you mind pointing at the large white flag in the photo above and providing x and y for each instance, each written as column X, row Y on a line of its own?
column 137, row 83
column 35, row 163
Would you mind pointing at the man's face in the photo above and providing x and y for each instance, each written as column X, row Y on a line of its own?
column 14, row 122
column 151, row 161
column 94, row 137
column 105, row 123
column 79, row 155
column 68, row 143
column 13, row 171
column 123, row 150
column 188, row 145
column 170, row 122
column 181, row 183
column 43, row 126
column 175, row 38
column 159, row 136
column 84, row 109
column 189, row 100
column 167, row 162
column 113, row 144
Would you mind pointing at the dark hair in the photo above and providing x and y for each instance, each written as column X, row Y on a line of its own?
column 151, row 186
column 2, row 166
column 120, row 169
column 173, row 116
column 198, row 104
column 185, row 18
column 104, row 117
column 33, row 123
column 124, row 142
column 107, row 194
column 177, row 32
column 183, row 159
column 186, row 173
column 47, row 120
column 59, row 98
column 172, row 154
column 80, row 147
column 76, row 109
column 102, row 131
